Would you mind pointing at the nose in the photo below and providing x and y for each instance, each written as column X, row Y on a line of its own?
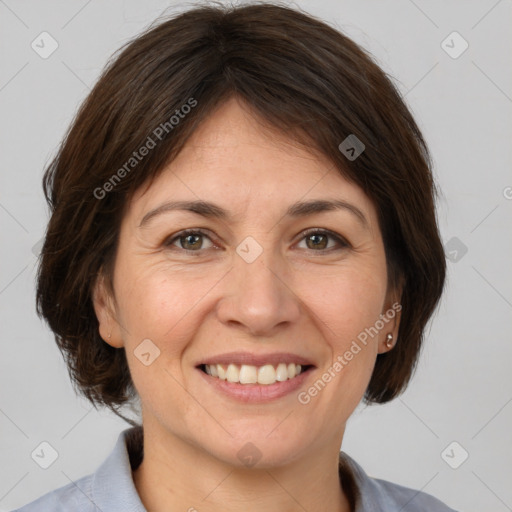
column 258, row 296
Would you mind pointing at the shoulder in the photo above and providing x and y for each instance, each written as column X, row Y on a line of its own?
column 377, row 495
column 74, row 496
column 110, row 487
column 410, row 500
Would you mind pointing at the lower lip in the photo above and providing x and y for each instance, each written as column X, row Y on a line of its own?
column 256, row 393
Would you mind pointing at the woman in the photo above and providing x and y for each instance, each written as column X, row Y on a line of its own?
column 243, row 238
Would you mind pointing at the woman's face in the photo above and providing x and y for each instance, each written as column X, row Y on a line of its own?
column 253, row 283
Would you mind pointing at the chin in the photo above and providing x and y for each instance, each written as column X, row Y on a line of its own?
column 258, row 449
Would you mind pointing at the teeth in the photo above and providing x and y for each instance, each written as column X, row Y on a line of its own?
column 248, row 374
column 266, row 374
column 282, row 372
column 220, row 370
column 233, row 373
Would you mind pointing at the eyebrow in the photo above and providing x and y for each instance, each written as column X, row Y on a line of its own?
column 212, row 210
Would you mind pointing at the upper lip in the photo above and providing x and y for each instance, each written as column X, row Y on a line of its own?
column 240, row 358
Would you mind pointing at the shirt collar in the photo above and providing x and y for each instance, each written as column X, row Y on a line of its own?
column 113, row 489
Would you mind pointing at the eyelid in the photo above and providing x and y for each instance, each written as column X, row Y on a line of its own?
column 342, row 242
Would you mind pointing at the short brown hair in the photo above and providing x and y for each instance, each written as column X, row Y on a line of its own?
column 299, row 76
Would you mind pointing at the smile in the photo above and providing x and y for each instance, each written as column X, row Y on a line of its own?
column 266, row 374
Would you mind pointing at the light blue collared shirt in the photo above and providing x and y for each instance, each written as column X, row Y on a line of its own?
column 111, row 487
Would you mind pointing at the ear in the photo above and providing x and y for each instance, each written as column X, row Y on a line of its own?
column 104, row 308
column 391, row 314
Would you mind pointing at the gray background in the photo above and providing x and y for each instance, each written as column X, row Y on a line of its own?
column 462, row 390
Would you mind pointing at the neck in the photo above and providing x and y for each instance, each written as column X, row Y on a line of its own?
column 175, row 475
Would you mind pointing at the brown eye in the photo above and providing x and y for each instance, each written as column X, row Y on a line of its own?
column 189, row 240
column 317, row 240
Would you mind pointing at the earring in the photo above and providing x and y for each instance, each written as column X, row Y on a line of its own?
column 389, row 341
column 109, row 334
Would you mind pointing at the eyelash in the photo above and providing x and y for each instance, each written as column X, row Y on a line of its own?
column 313, row 231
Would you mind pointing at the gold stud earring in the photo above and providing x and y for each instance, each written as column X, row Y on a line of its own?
column 389, row 341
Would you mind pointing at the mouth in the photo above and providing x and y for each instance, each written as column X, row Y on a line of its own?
column 250, row 384
column 262, row 375
column 255, row 378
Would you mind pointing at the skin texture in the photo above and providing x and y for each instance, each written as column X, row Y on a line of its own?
column 294, row 298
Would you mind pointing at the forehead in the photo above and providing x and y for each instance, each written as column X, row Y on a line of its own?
column 235, row 160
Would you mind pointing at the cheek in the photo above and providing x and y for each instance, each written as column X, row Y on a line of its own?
column 166, row 307
column 349, row 302
column 157, row 308
column 350, row 307
column 154, row 298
